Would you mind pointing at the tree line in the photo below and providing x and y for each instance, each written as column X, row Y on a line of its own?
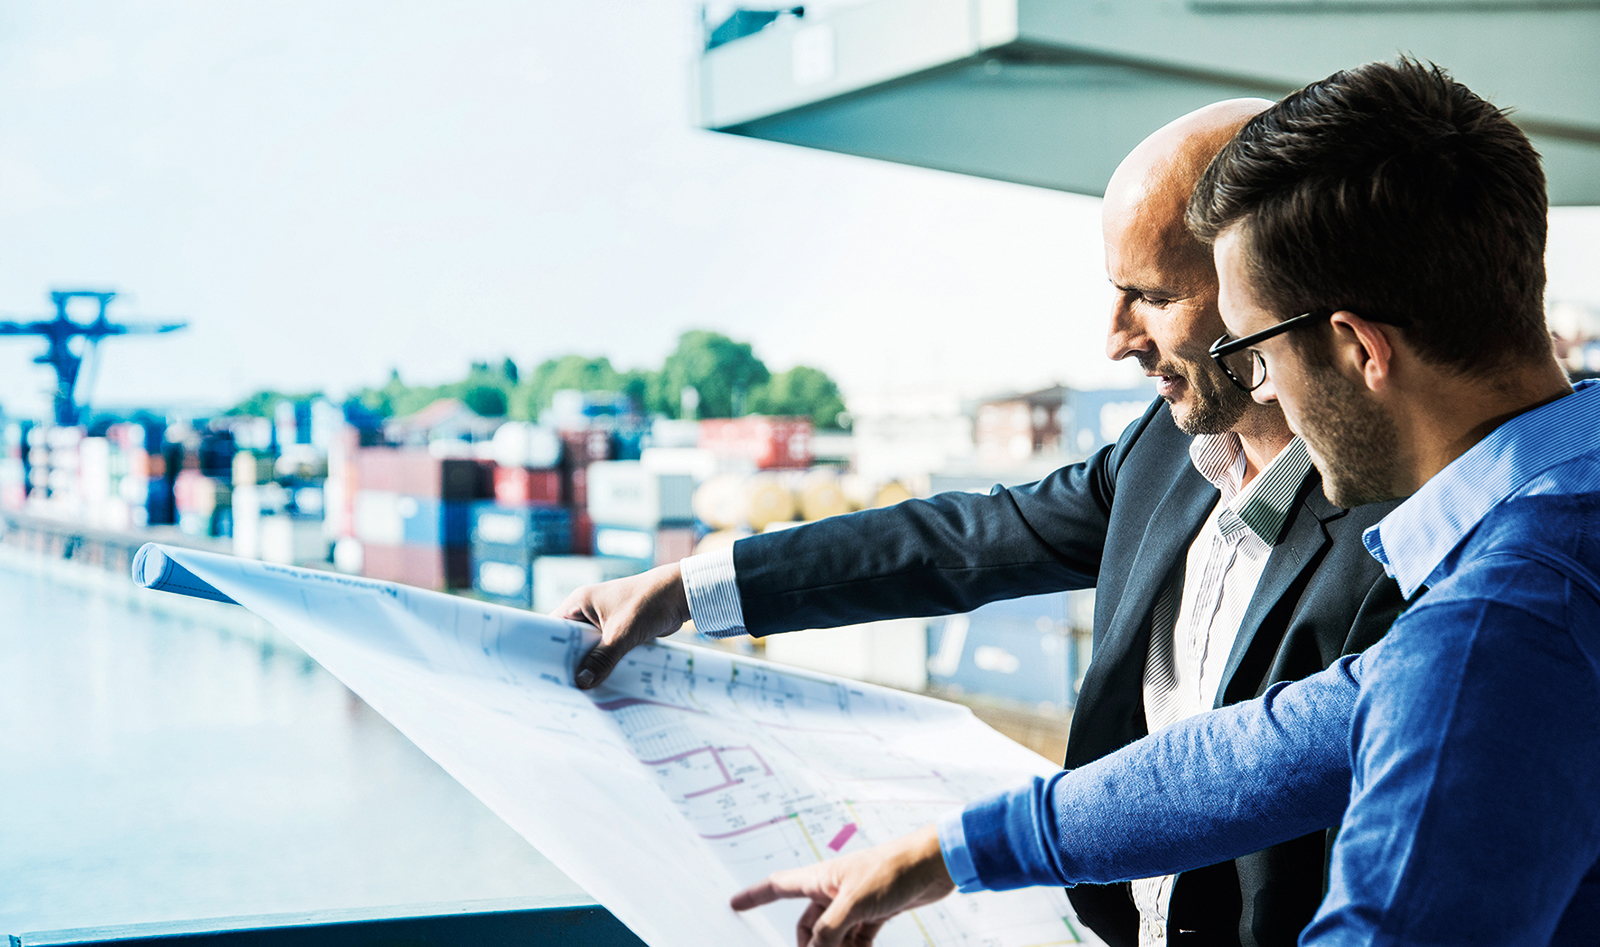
column 707, row 375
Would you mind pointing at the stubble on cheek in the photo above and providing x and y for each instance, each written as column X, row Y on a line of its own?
column 1352, row 442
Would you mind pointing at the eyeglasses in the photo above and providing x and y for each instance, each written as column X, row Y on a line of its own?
column 1242, row 364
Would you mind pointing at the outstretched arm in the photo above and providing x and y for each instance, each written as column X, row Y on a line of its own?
column 1206, row 790
column 948, row 554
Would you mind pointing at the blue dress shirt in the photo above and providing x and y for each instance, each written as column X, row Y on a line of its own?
column 1461, row 753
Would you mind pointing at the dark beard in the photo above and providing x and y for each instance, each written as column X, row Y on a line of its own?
column 1353, row 442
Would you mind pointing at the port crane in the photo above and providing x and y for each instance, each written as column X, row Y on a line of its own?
column 65, row 356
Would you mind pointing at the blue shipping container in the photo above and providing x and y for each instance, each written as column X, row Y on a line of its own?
column 518, row 532
column 426, row 521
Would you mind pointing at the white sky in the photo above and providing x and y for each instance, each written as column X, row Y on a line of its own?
column 326, row 190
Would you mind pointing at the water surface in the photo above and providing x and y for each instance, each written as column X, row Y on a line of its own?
column 164, row 759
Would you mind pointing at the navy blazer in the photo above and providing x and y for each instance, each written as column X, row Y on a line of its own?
column 1121, row 523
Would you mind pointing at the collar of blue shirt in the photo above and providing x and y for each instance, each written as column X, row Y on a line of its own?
column 1414, row 539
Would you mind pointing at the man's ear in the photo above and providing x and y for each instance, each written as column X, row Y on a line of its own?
column 1363, row 346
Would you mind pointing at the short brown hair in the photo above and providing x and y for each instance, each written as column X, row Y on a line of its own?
column 1394, row 192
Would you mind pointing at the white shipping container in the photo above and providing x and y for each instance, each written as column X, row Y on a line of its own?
column 556, row 577
column 522, row 444
column 246, row 521
column 291, row 541
column 377, row 517
column 626, row 493
column 94, row 468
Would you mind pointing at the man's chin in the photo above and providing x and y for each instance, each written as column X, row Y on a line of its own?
column 1346, row 487
column 1195, row 415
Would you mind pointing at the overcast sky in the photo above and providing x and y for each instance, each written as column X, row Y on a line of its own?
column 328, row 190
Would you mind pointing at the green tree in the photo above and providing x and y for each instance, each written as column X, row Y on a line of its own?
column 396, row 398
column 571, row 371
column 724, row 372
column 485, row 390
column 264, row 403
column 801, row 391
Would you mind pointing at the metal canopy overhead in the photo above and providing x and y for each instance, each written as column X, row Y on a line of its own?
column 1054, row 92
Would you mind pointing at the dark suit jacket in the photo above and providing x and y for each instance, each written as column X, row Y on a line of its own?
column 1120, row 522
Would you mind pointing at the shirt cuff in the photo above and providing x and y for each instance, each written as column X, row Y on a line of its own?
column 1011, row 838
column 957, row 860
column 713, row 593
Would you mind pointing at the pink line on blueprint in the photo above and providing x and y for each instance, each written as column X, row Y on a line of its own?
column 843, row 836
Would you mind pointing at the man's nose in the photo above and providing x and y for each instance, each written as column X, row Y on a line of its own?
column 1265, row 393
column 1126, row 335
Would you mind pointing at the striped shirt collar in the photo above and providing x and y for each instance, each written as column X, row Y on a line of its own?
column 1263, row 505
column 1413, row 541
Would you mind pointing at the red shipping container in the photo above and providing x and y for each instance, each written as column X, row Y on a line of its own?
column 769, row 442
column 419, row 473
column 426, row 567
column 582, row 533
column 523, row 485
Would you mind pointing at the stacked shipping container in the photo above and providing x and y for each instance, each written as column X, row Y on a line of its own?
column 412, row 515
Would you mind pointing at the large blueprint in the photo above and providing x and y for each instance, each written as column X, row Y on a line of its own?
column 690, row 774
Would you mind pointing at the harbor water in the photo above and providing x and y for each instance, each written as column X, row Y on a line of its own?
column 163, row 758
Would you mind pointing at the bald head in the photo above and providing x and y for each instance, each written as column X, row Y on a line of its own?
column 1166, row 305
column 1150, row 188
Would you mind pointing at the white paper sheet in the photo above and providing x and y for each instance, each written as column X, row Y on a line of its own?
column 688, row 775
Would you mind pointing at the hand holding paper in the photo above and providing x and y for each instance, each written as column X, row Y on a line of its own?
column 629, row 612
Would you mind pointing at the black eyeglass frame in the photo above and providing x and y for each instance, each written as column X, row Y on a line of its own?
column 1228, row 345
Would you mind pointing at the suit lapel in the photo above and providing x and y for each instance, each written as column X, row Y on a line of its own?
column 1304, row 536
column 1113, row 690
column 1166, row 540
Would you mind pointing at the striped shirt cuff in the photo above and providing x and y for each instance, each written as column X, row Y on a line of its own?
column 713, row 594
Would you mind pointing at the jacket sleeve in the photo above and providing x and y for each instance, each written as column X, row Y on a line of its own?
column 947, row 554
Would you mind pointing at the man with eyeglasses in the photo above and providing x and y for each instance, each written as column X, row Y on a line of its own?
column 1379, row 237
column 1219, row 566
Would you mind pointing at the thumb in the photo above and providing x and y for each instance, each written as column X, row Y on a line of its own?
column 831, row 928
column 598, row 664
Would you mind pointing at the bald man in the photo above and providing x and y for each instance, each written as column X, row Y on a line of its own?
column 1219, row 566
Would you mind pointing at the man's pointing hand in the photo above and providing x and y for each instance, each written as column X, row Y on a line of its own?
column 852, row 896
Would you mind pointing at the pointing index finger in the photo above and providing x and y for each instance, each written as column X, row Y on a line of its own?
column 776, row 886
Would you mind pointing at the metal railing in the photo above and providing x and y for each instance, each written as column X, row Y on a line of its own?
column 525, row 922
